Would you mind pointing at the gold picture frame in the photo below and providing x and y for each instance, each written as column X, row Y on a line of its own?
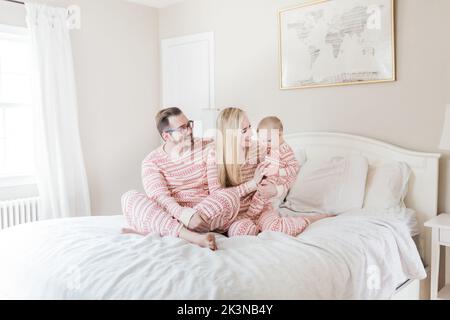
column 392, row 76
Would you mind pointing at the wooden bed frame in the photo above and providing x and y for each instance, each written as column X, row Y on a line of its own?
column 423, row 185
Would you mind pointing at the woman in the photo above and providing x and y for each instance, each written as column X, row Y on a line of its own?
column 235, row 162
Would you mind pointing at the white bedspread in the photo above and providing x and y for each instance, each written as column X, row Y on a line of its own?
column 348, row 257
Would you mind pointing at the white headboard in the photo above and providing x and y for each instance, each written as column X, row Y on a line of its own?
column 423, row 186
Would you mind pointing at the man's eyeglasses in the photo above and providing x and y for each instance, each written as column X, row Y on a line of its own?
column 183, row 128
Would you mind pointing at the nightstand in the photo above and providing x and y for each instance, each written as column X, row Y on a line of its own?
column 440, row 236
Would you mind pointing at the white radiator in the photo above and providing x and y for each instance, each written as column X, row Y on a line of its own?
column 18, row 211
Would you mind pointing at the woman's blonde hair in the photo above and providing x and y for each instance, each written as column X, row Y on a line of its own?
column 230, row 156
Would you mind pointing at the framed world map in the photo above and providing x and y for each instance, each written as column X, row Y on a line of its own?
column 337, row 42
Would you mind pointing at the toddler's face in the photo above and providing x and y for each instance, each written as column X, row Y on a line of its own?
column 268, row 138
column 264, row 139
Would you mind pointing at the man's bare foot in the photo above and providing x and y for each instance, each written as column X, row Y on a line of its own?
column 318, row 217
column 207, row 240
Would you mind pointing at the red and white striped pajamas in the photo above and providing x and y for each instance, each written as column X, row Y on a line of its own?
column 175, row 190
column 257, row 214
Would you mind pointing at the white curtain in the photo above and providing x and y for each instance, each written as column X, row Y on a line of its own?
column 61, row 174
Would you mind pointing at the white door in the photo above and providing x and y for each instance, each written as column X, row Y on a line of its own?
column 188, row 78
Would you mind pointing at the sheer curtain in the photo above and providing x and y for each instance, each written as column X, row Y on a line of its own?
column 61, row 174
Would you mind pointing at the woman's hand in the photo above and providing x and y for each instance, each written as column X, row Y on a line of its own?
column 267, row 189
column 260, row 172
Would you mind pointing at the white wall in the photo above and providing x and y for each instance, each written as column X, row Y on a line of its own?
column 408, row 112
column 116, row 60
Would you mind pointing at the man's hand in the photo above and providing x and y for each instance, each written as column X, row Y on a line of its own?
column 267, row 189
column 199, row 223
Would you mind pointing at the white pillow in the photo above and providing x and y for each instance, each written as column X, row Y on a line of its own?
column 387, row 186
column 300, row 155
column 332, row 186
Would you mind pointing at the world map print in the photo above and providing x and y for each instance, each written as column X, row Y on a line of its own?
column 337, row 42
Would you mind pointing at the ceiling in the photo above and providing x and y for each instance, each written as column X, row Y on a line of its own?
column 155, row 3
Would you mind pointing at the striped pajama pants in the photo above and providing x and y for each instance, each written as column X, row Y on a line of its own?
column 145, row 216
column 268, row 219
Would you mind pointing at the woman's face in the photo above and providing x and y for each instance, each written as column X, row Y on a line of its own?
column 246, row 133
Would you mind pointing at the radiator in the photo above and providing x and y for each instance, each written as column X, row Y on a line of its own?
column 18, row 211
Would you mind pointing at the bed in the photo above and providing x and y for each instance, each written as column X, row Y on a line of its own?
column 357, row 255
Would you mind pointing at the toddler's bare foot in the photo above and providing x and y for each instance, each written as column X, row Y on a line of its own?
column 318, row 217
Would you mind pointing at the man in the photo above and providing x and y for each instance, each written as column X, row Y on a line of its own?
column 177, row 201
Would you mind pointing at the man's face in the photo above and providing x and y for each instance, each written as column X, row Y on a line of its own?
column 179, row 130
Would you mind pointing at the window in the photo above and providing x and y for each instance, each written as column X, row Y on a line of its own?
column 16, row 113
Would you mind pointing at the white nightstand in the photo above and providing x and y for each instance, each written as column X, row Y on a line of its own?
column 440, row 236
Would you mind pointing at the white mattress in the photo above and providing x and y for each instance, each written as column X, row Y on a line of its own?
column 349, row 257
